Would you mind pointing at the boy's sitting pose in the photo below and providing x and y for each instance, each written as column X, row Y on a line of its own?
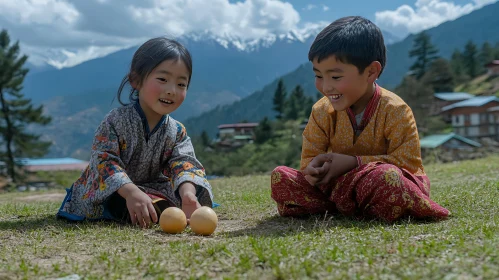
column 361, row 153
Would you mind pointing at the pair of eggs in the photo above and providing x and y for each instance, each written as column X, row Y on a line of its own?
column 203, row 220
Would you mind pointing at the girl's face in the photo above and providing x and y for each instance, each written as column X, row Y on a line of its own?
column 164, row 89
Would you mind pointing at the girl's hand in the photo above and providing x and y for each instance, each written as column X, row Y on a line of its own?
column 189, row 200
column 189, row 204
column 139, row 205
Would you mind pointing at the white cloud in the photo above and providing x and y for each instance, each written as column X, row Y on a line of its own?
column 67, row 32
column 26, row 12
column 426, row 14
column 249, row 19
column 310, row 7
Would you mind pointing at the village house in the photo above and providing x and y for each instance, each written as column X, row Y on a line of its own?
column 442, row 99
column 493, row 68
column 31, row 166
column 235, row 135
column 447, row 142
column 475, row 118
column 54, row 164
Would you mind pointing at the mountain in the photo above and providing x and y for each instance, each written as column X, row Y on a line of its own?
column 254, row 107
column 446, row 37
column 479, row 26
column 33, row 69
column 226, row 70
column 390, row 38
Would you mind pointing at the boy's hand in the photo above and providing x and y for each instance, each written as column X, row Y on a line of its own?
column 317, row 168
column 339, row 165
column 189, row 200
column 139, row 205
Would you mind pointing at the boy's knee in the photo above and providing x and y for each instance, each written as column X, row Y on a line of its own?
column 386, row 172
column 279, row 169
column 278, row 175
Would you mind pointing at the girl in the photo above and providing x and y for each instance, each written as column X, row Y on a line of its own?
column 142, row 159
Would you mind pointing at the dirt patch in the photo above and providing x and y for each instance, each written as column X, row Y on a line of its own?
column 48, row 197
column 232, row 225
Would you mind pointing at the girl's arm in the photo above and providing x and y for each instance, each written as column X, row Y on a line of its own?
column 185, row 168
column 105, row 162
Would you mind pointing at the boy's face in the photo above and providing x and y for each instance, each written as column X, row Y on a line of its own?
column 342, row 84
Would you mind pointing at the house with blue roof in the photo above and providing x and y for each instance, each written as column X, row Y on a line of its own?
column 448, row 141
column 52, row 164
column 442, row 99
column 475, row 118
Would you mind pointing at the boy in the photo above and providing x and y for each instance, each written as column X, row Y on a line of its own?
column 361, row 153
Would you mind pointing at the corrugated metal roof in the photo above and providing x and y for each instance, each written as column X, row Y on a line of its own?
column 453, row 96
column 436, row 140
column 243, row 137
column 238, row 125
column 492, row 63
column 50, row 161
column 473, row 102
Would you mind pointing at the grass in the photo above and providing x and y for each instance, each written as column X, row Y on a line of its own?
column 252, row 242
column 483, row 84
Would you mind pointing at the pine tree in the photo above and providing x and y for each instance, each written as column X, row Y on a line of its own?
column 263, row 131
column 17, row 112
column 280, row 99
column 439, row 76
column 487, row 54
column 424, row 51
column 457, row 66
column 308, row 106
column 470, row 58
column 295, row 104
column 205, row 139
column 419, row 97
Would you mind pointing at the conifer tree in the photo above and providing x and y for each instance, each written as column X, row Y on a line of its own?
column 471, row 60
column 280, row 99
column 263, row 131
column 424, row 52
column 17, row 112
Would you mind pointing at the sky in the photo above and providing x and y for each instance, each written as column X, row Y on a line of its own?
column 64, row 33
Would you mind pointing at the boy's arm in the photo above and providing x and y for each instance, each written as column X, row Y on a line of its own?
column 403, row 141
column 315, row 136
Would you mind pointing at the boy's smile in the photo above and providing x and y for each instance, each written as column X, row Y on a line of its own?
column 343, row 85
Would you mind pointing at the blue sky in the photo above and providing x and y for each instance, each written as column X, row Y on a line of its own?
column 64, row 33
column 313, row 10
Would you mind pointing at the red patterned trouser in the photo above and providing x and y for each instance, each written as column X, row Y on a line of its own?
column 374, row 190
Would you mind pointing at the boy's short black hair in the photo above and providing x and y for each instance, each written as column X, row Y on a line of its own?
column 354, row 40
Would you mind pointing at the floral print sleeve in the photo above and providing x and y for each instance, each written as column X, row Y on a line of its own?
column 184, row 167
column 106, row 163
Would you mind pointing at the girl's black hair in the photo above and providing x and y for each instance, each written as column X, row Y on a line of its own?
column 149, row 56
